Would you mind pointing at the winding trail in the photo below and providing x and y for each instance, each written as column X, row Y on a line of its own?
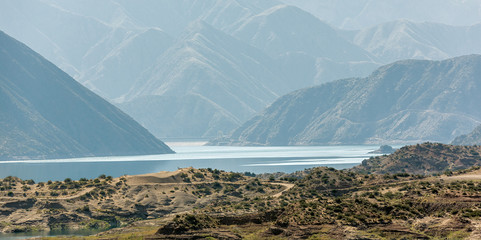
column 287, row 185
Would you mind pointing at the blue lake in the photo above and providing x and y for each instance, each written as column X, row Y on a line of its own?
column 239, row 159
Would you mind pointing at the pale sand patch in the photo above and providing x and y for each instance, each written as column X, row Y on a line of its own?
column 474, row 175
column 159, row 177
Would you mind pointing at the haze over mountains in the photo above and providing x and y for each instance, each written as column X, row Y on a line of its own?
column 403, row 39
column 46, row 114
column 354, row 15
column 208, row 82
column 405, row 102
column 200, row 68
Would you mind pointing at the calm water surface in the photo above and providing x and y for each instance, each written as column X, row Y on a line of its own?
column 238, row 159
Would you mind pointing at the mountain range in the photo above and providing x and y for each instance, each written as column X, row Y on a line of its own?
column 46, row 114
column 117, row 48
column 407, row 101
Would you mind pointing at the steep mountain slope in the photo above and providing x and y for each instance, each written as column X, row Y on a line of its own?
column 472, row 138
column 208, row 81
column 46, row 114
column 407, row 101
column 404, row 39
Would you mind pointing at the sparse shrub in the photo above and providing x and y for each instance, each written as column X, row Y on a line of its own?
column 198, row 175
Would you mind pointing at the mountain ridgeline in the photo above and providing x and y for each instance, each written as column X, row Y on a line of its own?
column 404, row 102
column 46, row 114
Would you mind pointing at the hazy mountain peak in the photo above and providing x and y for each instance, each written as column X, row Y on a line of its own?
column 404, row 39
column 284, row 28
column 348, row 14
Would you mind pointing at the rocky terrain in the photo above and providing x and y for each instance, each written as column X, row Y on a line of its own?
column 333, row 204
column 107, row 202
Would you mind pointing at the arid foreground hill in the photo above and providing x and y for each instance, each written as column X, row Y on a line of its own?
column 424, row 159
column 318, row 203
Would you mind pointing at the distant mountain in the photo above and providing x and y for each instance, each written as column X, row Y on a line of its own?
column 404, row 102
column 404, row 39
column 205, row 83
column 472, row 138
column 359, row 14
column 423, row 159
column 308, row 50
column 284, row 28
column 46, row 114
column 174, row 16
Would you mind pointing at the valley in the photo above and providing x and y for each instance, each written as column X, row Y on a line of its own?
column 290, row 100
